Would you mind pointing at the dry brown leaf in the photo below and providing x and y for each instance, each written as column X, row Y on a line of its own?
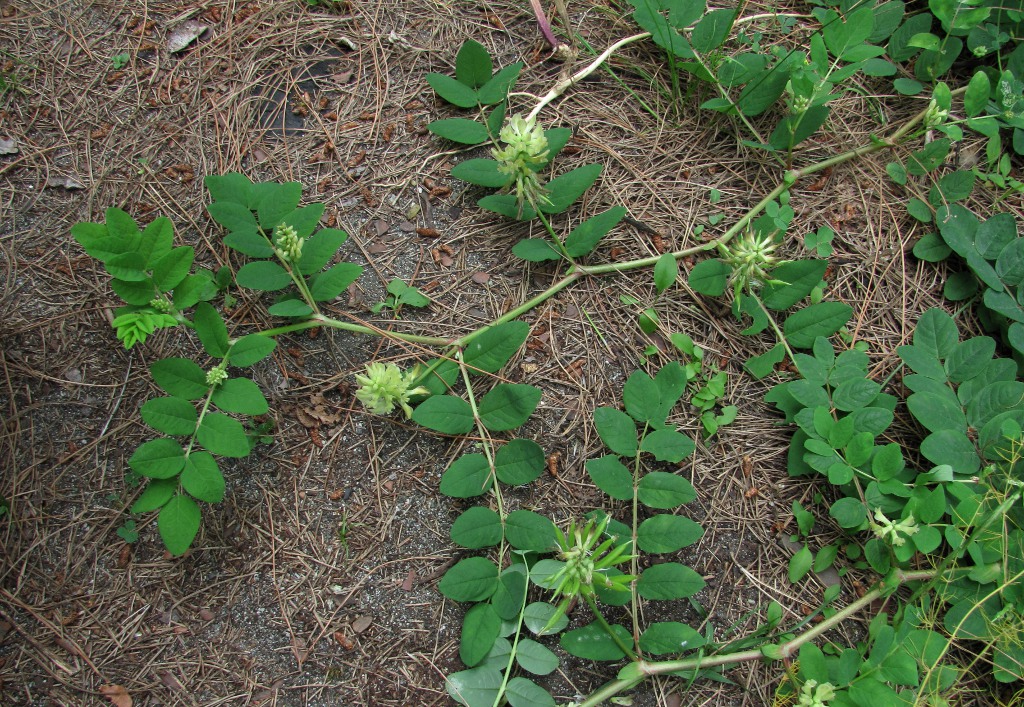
column 117, row 695
column 362, row 623
column 8, row 146
column 66, row 182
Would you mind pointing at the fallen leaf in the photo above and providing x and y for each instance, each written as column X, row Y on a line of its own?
column 117, row 695
column 344, row 641
column 8, row 146
column 409, row 579
column 362, row 623
column 406, row 226
column 185, row 35
column 170, row 681
column 206, row 615
column 481, row 278
column 66, row 182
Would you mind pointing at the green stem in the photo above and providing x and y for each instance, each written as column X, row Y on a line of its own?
column 775, row 327
column 607, row 628
column 785, row 650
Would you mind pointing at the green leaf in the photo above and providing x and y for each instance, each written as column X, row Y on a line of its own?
column 642, row 398
column 931, row 248
column 936, row 334
column 538, row 616
column 234, row 217
column 508, row 206
column 951, row 447
column 240, row 395
column 473, row 65
column 138, row 292
column 609, row 475
column 127, row 266
column 157, row 493
column 319, row 248
column 800, row 276
column 617, row 430
column 951, row 187
column 263, row 275
column 290, row 307
column 665, row 272
column 463, row 131
column 928, row 158
column 180, row 377
column 592, row 643
column 937, row 412
column 194, row 288
column 535, row 658
column 800, row 564
column 667, row 445
column 329, row 284
column 510, row 595
column 468, row 476
column 172, row 416
column 231, row 187
column 250, row 242
column 920, row 210
column 211, row 330
column 978, row 92
column 535, row 250
column 453, row 91
column 519, row 462
column 492, row 349
column 584, row 238
column 522, row 692
column 251, row 349
column 712, row 30
column 666, row 533
column 840, row 37
column 710, row 277
column 472, row 579
column 669, row 638
column 669, row 580
column 526, row 530
column 171, row 269
column 476, row 528
column 274, row 201
column 822, row 319
column 202, row 478
column 849, row 513
column 480, row 629
column 760, row 366
column 567, row 188
column 158, row 459
column 508, row 406
column 178, row 523
column 478, row 687
column 662, row 490
column 223, row 435
column 854, row 394
column 496, row 90
column 446, row 414
column 482, row 172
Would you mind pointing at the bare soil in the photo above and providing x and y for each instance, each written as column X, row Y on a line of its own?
column 314, row 582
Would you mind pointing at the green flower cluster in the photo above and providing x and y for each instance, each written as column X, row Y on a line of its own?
column 385, row 385
column 751, row 257
column 525, row 151
column 587, row 560
column 814, row 694
column 287, row 244
column 894, row 533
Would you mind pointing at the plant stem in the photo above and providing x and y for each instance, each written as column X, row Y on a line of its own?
column 775, row 327
column 607, row 628
column 786, row 650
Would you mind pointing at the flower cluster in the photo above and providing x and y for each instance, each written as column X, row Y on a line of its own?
column 815, row 694
column 217, row 375
column 587, row 561
column 525, row 151
column 287, row 244
column 385, row 385
column 934, row 116
column 886, row 529
column 751, row 258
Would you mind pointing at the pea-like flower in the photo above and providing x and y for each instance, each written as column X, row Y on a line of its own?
column 287, row 244
column 815, row 694
column 751, row 257
column 893, row 532
column 934, row 116
column 525, row 150
column 385, row 385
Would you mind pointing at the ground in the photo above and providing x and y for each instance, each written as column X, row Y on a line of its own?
column 314, row 582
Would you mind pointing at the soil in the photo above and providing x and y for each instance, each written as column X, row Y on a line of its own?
column 314, row 582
